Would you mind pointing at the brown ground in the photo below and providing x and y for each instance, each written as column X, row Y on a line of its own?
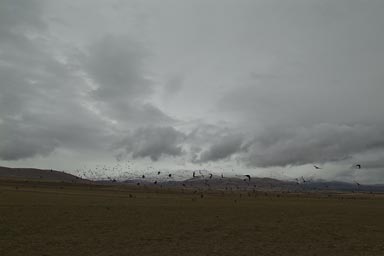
column 53, row 218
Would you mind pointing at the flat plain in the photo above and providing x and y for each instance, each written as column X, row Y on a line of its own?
column 56, row 218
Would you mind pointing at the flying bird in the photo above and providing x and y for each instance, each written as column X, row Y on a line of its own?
column 158, row 173
column 358, row 185
column 317, row 167
column 248, row 176
column 358, row 166
column 170, row 175
column 143, row 176
column 210, row 175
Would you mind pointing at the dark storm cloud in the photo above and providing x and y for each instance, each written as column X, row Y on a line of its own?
column 154, row 142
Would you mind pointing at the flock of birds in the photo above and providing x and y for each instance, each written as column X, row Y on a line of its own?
column 125, row 171
column 356, row 166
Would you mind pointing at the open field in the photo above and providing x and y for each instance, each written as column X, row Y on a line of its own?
column 54, row 218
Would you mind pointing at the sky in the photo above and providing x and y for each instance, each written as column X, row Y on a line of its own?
column 262, row 87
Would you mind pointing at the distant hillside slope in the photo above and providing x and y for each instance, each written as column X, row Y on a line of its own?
column 260, row 184
column 31, row 173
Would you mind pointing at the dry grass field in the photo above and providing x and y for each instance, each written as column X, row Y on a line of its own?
column 52, row 218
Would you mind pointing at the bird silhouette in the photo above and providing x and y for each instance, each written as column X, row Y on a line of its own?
column 358, row 166
column 158, row 173
column 170, row 175
column 194, row 174
column 210, row 175
column 317, row 167
column 358, row 185
column 248, row 176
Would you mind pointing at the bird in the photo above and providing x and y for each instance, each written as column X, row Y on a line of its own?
column 248, row 176
column 358, row 166
column 317, row 167
column 143, row 176
column 194, row 174
column 210, row 175
column 155, row 182
column 158, row 173
column 170, row 175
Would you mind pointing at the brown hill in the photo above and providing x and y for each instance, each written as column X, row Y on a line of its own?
column 31, row 173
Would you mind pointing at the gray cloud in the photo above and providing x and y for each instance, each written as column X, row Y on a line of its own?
column 21, row 14
column 117, row 65
column 43, row 102
column 20, row 142
column 320, row 101
column 24, row 67
column 46, row 104
column 173, row 85
column 317, row 144
column 154, row 142
column 271, row 83
column 223, row 148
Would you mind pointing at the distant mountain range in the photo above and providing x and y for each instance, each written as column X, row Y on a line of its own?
column 230, row 183
column 259, row 184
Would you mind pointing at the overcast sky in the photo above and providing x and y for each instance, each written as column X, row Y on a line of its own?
column 264, row 87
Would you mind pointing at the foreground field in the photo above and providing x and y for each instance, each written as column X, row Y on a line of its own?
column 48, row 218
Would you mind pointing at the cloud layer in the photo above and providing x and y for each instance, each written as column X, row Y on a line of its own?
column 256, row 84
